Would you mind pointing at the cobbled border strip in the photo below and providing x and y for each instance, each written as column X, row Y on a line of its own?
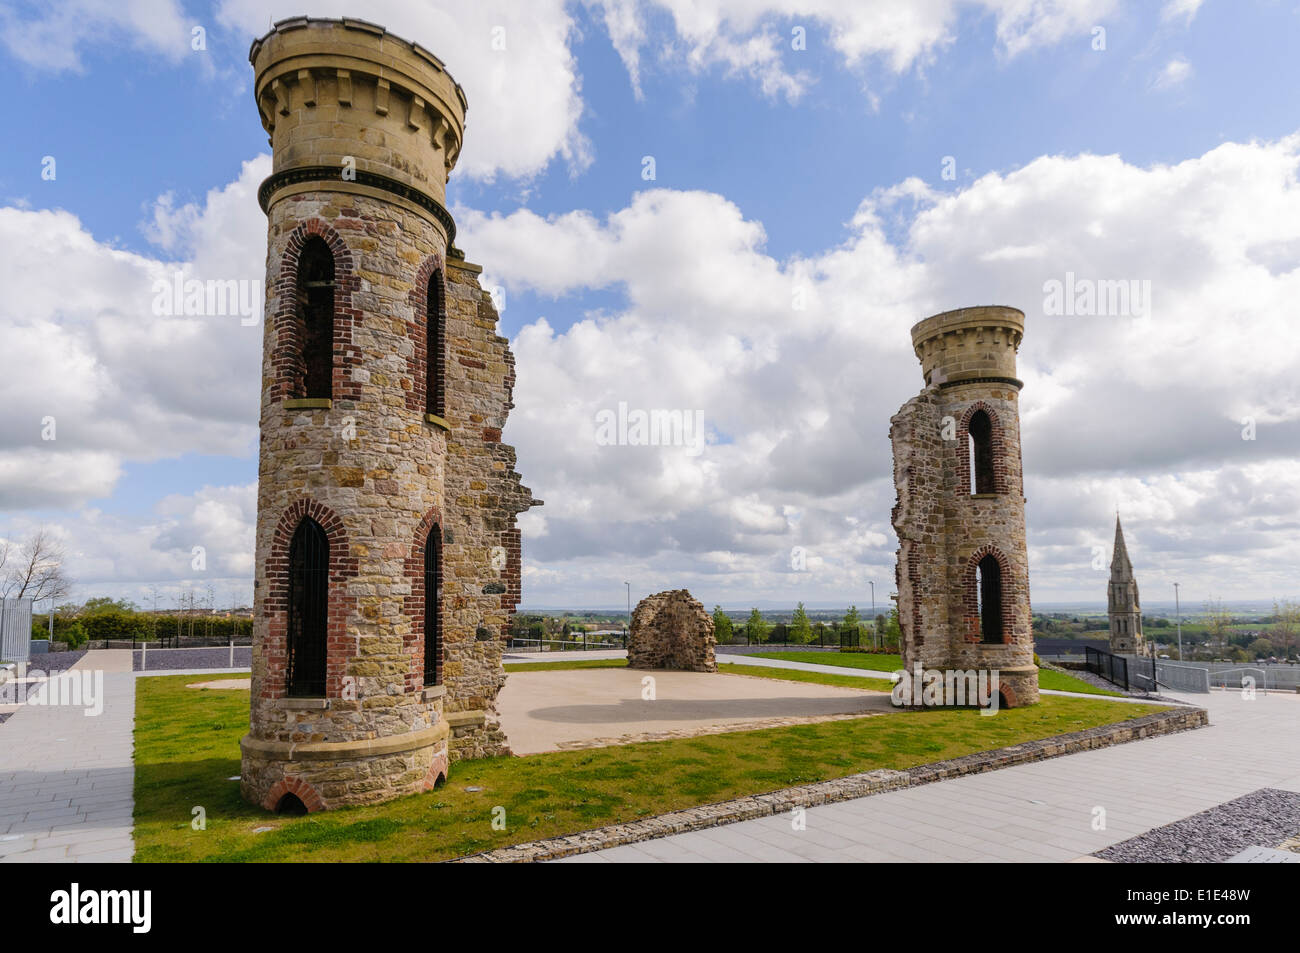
column 844, row 789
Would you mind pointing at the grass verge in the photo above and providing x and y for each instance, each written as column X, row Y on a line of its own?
column 564, row 666
column 187, row 749
column 798, row 675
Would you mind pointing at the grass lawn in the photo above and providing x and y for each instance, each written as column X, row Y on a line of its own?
column 1060, row 682
column 570, row 664
column 187, row 749
column 1055, row 681
column 875, row 663
column 797, row 675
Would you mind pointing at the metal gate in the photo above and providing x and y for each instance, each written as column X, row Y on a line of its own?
column 309, row 561
column 15, row 629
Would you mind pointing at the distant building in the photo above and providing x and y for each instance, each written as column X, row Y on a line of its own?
column 1122, row 602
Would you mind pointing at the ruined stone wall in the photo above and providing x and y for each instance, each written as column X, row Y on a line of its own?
column 482, row 575
column 919, row 522
column 671, row 630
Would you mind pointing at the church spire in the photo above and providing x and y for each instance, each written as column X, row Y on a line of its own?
column 1120, row 566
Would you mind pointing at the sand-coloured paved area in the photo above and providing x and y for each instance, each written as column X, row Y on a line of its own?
column 549, row 711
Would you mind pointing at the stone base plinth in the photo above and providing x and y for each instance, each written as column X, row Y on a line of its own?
column 1019, row 686
column 327, row 775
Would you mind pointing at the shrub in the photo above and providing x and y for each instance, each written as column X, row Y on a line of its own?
column 74, row 635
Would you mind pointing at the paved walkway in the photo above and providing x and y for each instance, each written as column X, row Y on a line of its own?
column 1035, row 812
column 66, row 778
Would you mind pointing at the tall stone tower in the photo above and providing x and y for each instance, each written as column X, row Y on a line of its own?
column 962, row 573
column 1122, row 601
column 387, row 556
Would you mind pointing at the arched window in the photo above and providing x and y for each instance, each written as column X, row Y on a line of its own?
column 980, row 430
column 432, row 622
column 309, row 560
column 316, row 317
column 435, row 325
column 988, row 590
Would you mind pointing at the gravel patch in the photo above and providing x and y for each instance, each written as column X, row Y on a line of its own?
column 1266, row 818
column 54, row 661
column 180, row 659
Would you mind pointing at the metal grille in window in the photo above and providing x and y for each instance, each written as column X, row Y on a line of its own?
column 432, row 600
column 434, row 320
column 989, row 585
column 316, row 300
column 309, row 559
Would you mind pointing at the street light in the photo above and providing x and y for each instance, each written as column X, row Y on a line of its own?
column 874, row 631
column 1178, row 614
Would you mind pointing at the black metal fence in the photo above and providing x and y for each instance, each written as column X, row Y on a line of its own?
column 560, row 645
column 1113, row 668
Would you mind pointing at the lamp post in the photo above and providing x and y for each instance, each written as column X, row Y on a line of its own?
column 1178, row 614
column 874, row 631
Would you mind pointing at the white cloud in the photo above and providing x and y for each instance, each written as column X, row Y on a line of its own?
column 1145, row 413
column 120, row 556
column 55, row 39
column 753, row 38
column 1175, row 73
column 524, row 101
column 94, row 378
column 1184, row 10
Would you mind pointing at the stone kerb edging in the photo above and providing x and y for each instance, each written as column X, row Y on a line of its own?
column 844, row 789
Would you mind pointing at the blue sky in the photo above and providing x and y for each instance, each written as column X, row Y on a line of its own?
column 763, row 165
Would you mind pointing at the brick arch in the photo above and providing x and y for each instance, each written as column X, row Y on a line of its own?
column 287, row 330
column 297, row 787
column 970, row 596
column 1008, row 698
column 417, row 331
column 275, row 604
column 437, row 772
column 413, row 605
column 998, row 441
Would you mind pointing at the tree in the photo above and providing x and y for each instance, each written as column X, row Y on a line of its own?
column 1218, row 618
column 852, row 624
column 1287, row 626
column 1260, row 648
column 34, row 569
column 893, row 635
column 722, row 626
column 756, row 627
column 801, row 627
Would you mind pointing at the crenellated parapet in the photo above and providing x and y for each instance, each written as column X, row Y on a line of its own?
column 970, row 344
column 350, row 99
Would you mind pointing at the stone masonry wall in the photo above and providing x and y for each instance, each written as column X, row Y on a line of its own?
column 671, row 630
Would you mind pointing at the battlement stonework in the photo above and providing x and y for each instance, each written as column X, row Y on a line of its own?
column 962, row 571
column 387, row 553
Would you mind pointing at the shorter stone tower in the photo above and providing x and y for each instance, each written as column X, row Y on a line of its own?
column 1122, row 602
column 963, row 566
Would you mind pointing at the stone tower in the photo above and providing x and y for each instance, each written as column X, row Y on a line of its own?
column 1122, row 601
column 387, row 556
column 962, row 573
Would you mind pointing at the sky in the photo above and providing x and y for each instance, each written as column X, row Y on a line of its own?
column 732, row 208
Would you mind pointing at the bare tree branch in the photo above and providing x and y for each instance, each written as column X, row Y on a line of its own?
column 37, row 572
